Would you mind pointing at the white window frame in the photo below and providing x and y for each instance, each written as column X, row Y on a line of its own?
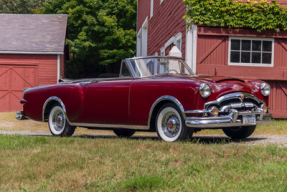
column 151, row 8
column 162, row 51
column 251, row 64
column 142, row 39
column 173, row 40
column 161, row 1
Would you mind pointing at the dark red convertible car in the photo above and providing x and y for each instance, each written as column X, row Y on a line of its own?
column 159, row 94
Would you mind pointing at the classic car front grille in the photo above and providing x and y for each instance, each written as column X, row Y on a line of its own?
column 241, row 102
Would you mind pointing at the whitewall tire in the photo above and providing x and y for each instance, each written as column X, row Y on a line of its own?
column 170, row 124
column 58, row 124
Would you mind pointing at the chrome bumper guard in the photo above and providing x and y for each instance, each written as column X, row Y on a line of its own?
column 20, row 116
column 230, row 120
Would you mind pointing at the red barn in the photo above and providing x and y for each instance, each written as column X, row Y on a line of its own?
column 216, row 51
column 31, row 54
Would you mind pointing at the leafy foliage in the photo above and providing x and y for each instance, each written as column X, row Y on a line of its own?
column 100, row 32
column 19, row 6
column 256, row 15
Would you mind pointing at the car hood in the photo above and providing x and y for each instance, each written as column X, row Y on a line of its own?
column 205, row 79
column 220, row 85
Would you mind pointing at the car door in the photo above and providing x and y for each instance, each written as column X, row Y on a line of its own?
column 107, row 101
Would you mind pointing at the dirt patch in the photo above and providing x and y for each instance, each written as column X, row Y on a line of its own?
column 207, row 139
column 7, row 125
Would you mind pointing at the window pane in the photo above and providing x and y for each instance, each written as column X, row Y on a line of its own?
column 246, row 45
column 125, row 71
column 234, row 57
column 256, row 45
column 245, row 57
column 267, row 46
column 256, row 57
column 235, row 44
column 266, row 58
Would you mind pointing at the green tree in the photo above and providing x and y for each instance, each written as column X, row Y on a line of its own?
column 100, row 32
column 19, row 6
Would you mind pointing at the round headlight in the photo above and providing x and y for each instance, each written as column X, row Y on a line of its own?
column 265, row 89
column 204, row 90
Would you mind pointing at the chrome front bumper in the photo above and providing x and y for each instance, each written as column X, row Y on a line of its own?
column 20, row 116
column 231, row 120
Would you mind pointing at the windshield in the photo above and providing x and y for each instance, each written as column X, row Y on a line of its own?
column 159, row 66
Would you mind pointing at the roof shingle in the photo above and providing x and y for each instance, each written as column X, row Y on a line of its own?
column 32, row 33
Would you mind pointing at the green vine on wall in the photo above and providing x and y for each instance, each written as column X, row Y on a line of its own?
column 259, row 16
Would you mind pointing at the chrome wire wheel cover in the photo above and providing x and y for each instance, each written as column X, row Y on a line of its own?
column 57, row 120
column 169, row 124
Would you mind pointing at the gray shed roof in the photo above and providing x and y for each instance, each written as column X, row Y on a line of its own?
column 24, row 33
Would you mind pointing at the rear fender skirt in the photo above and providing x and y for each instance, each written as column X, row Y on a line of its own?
column 53, row 98
column 166, row 98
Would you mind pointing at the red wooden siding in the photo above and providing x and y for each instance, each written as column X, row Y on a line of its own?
column 212, row 59
column 143, row 12
column 278, row 99
column 22, row 71
column 47, row 65
column 13, row 79
column 166, row 22
column 212, row 55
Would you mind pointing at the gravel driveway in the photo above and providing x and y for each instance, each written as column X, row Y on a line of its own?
column 253, row 140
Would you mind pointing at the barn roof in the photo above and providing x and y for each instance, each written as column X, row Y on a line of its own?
column 25, row 33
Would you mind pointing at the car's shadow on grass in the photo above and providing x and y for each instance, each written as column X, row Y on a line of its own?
column 208, row 139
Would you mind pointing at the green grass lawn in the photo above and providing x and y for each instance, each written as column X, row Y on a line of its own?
column 113, row 164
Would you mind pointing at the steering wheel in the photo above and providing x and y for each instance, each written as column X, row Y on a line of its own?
column 172, row 70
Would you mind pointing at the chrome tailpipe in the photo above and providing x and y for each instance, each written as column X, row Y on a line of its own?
column 20, row 116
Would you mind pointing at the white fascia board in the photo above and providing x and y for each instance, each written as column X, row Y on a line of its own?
column 58, row 68
column 30, row 52
column 173, row 40
column 188, row 48
column 194, row 47
column 145, row 23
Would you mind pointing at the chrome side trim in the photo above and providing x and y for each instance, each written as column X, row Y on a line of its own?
column 167, row 98
column 53, row 98
column 114, row 126
column 197, row 111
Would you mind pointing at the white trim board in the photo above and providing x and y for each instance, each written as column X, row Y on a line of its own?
column 30, row 52
column 191, row 47
column 58, row 68
column 142, row 38
column 172, row 40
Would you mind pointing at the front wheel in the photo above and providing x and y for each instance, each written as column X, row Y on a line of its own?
column 239, row 132
column 58, row 124
column 170, row 124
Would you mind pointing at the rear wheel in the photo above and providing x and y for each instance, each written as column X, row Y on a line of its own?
column 170, row 124
column 239, row 132
column 124, row 132
column 58, row 124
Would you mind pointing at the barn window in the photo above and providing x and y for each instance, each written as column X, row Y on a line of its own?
column 251, row 52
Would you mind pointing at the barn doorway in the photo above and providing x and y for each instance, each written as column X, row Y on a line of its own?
column 13, row 80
